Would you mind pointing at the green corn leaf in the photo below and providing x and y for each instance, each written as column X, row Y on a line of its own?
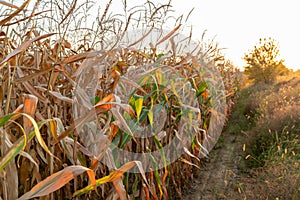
column 156, row 174
column 125, row 139
column 161, row 149
column 95, row 100
column 4, row 119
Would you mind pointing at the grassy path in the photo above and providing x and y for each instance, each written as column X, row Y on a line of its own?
column 269, row 128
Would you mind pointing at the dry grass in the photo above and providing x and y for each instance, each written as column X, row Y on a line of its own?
column 274, row 146
column 275, row 180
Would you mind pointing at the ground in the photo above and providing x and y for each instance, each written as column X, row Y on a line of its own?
column 226, row 175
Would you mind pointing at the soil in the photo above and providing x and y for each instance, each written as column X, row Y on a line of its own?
column 220, row 176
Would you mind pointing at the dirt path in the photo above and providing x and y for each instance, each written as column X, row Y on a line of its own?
column 226, row 176
column 219, row 178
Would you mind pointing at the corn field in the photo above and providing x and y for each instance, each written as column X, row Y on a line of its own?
column 98, row 111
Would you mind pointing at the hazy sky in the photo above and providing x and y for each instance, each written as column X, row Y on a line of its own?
column 238, row 24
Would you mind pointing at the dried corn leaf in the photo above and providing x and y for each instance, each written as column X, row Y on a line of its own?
column 23, row 47
column 189, row 163
column 30, row 88
column 81, row 56
column 168, row 35
column 119, row 186
column 143, row 37
column 9, row 5
column 33, row 75
column 102, row 106
column 15, row 13
column 190, row 154
column 12, row 180
column 25, row 18
column 30, row 103
column 58, row 180
column 61, row 97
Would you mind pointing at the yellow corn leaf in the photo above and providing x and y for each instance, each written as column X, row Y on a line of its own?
column 14, row 150
column 19, row 145
column 36, row 131
column 138, row 103
column 35, row 128
column 53, row 128
column 150, row 117
column 38, row 134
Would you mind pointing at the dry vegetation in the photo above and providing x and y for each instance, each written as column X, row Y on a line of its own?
column 273, row 143
column 51, row 58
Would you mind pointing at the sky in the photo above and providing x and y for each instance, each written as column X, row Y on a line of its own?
column 237, row 25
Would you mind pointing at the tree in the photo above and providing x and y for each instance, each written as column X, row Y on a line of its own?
column 262, row 62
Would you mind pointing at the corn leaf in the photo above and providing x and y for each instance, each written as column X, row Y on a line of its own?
column 15, row 13
column 138, row 106
column 150, row 117
column 9, row 5
column 23, row 47
column 113, row 176
column 4, row 119
column 58, row 180
column 18, row 146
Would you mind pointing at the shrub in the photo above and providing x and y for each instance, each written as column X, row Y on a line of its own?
column 262, row 62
